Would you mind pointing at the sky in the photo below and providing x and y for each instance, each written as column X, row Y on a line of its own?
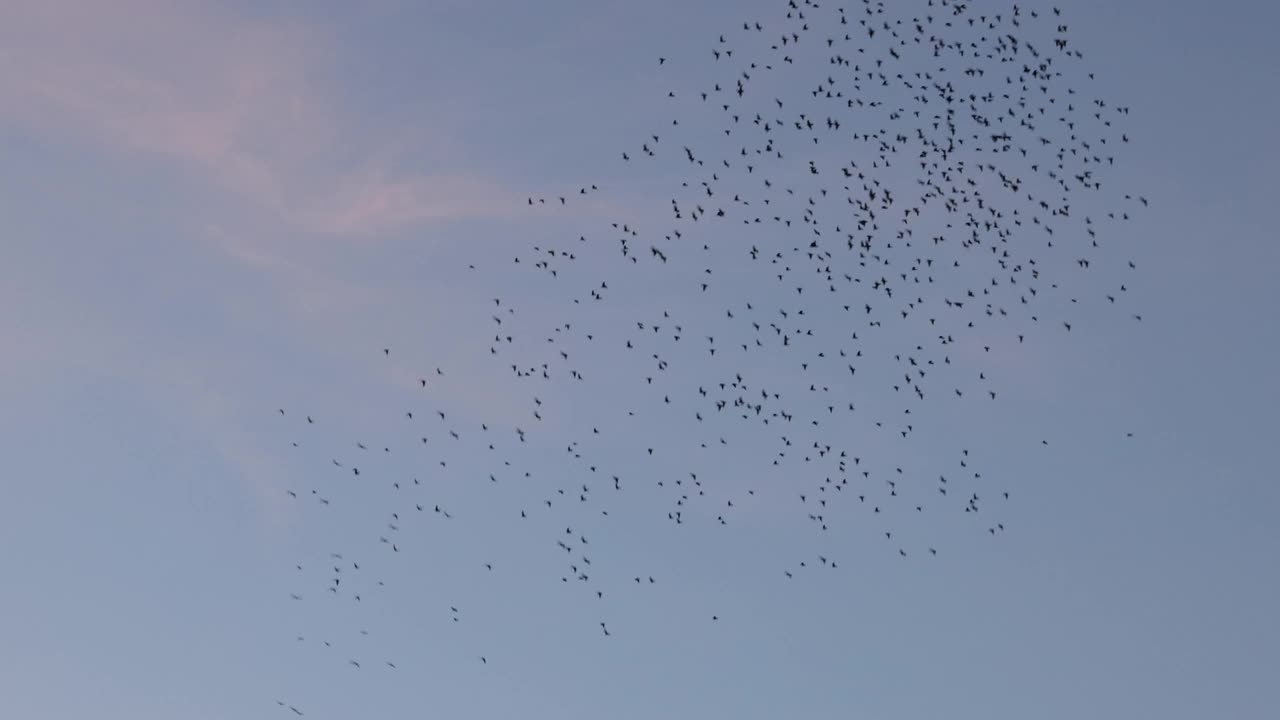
column 215, row 210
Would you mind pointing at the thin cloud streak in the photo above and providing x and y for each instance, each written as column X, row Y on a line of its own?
column 241, row 104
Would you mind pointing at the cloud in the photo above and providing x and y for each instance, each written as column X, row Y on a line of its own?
column 372, row 202
column 250, row 112
column 240, row 103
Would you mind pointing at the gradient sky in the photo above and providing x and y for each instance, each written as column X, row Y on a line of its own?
column 212, row 210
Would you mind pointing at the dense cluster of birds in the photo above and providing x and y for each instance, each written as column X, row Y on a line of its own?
column 871, row 201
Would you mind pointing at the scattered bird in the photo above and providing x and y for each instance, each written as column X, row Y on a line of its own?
column 869, row 213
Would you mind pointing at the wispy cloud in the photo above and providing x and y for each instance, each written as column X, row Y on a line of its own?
column 251, row 112
column 243, row 104
column 373, row 201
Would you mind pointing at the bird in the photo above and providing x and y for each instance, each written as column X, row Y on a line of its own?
column 864, row 223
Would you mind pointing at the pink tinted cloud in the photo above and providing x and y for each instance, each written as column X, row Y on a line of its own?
column 372, row 201
column 242, row 104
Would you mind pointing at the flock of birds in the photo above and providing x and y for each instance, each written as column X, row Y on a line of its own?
column 871, row 202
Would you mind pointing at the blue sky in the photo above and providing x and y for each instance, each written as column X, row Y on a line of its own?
column 216, row 210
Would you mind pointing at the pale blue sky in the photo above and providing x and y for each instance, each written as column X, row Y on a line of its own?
column 215, row 210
